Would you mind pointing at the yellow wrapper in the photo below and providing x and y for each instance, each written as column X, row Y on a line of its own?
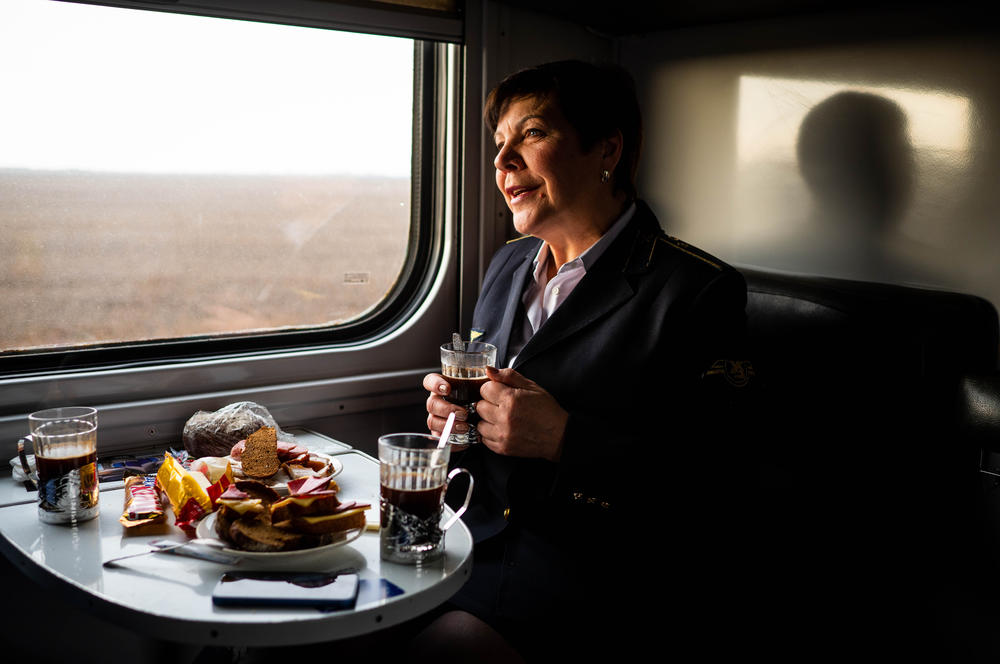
column 187, row 491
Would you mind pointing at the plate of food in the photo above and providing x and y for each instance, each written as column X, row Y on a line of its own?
column 256, row 521
column 264, row 458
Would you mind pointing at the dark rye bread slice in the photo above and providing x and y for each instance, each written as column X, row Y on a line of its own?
column 327, row 524
column 260, row 458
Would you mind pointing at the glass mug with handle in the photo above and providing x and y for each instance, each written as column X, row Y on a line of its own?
column 414, row 478
column 463, row 365
column 65, row 447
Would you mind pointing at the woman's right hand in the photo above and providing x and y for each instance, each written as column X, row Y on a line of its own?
column 438, row 408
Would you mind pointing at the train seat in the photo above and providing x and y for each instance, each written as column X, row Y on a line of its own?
column 865, row 480
column 861, row 364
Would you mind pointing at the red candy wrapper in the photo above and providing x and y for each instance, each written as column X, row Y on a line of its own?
column 143, row 511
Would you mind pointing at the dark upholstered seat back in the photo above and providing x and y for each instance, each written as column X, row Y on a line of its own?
column 872, row 362
column 862, row 472
column 797, row 322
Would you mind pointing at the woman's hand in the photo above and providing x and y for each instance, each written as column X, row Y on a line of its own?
column 438, row 408
column 518, row 417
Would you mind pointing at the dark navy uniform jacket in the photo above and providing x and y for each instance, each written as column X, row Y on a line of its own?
column 636, row 355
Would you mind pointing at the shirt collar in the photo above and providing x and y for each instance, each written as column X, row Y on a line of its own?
column 590, row 255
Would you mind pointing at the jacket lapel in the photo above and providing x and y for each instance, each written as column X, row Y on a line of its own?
column 605, row 287
column 590, row 300
column 510, row 316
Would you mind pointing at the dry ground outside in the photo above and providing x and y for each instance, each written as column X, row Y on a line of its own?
column 91, row 257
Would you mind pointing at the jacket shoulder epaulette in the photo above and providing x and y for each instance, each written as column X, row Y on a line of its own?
column 647, row 244
column 684, row 247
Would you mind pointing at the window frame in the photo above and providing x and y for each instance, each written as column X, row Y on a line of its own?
column 147, row 390
column 376, row 18
column 401, row 299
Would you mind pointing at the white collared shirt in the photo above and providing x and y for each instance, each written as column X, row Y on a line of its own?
column 542, row 296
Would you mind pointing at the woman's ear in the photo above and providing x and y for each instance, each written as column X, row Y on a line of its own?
column 611, row 150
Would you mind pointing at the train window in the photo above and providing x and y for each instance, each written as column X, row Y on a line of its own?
column 170, row 178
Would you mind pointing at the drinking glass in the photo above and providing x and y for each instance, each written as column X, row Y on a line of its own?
column 464, row 368
column 65, row 445
column 414, row 477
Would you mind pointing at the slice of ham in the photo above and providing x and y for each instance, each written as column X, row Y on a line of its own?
column 350, row 505
column 232, row 493
column 237, row 451
column 310, row 485
column 301, row 459
column 288, row 451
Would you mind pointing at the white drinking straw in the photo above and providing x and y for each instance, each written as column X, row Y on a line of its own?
column 446, row 432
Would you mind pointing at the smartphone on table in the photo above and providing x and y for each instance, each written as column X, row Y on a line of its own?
column 294, row 589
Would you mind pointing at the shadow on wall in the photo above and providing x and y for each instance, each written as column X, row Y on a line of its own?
column 855, row 156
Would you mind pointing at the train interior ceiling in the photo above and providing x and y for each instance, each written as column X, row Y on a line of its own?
column 846, row 140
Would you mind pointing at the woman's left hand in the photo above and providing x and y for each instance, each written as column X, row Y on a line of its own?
column 519, row 418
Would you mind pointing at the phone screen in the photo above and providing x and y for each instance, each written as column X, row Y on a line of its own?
column 317, row 589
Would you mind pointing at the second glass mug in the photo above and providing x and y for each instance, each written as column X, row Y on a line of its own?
column 414, row 478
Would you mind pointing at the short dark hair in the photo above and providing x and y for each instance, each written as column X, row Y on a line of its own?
column 596, row 99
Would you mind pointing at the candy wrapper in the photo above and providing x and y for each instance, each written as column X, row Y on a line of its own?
column 191, row 494
column 143, row 513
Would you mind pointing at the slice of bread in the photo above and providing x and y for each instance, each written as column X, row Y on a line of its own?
column 326, row 524
column 260, row 457
column 322, row 502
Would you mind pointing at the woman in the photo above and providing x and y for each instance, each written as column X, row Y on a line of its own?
column 612, row 337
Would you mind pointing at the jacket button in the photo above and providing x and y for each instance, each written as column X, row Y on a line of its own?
column 506, row 513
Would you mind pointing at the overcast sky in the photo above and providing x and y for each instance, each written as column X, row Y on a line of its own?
column 100, row 88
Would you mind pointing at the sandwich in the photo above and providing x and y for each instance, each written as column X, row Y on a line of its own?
column 314, row 508
column 253, row 517
column 244, row 500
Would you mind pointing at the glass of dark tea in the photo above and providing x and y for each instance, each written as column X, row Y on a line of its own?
column 65, row 445
column 463, row 365
column 414, row 477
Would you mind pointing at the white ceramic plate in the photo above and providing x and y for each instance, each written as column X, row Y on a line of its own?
column 206, row 528
column 336, row 467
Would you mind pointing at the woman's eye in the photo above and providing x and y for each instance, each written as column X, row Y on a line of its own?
column 533, row 132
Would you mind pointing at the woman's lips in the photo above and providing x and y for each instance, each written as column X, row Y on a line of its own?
column 518, row 194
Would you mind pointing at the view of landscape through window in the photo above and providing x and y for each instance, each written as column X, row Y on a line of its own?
column 167, row 176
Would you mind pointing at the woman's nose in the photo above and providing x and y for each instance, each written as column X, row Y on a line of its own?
column 507, row 159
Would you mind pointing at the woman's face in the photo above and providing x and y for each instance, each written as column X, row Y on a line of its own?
column 548, row 181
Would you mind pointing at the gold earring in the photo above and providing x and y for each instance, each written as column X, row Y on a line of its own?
column 605, row 176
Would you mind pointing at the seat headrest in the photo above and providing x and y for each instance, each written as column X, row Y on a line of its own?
column 918, row 330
